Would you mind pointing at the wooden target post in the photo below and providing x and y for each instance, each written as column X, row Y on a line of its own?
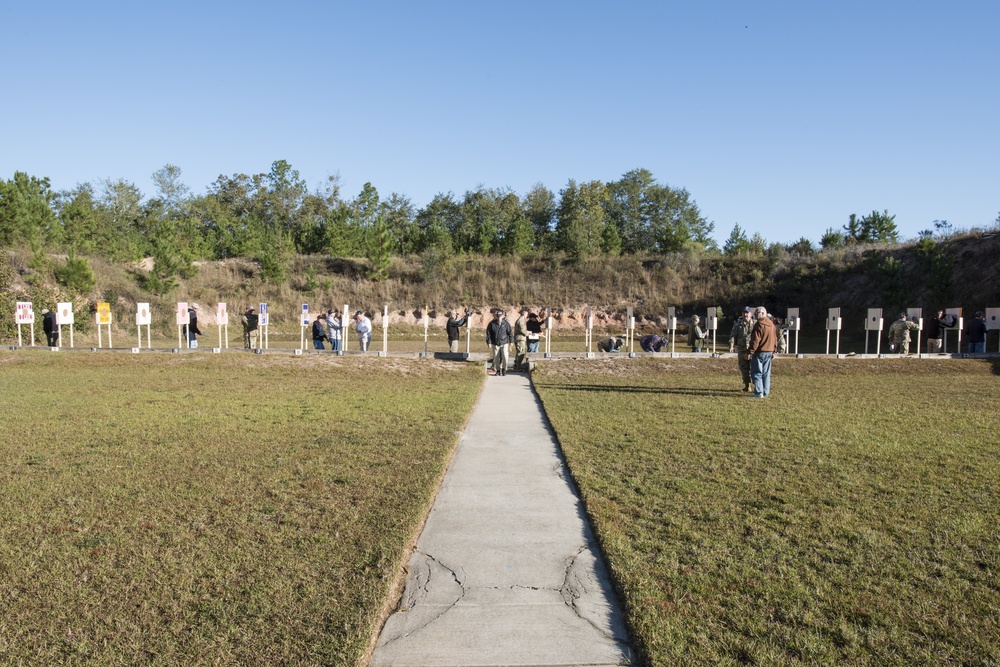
column 385, row 330
column 548, row 333
column 959, row 324
column 181, row 318
column 916, row 315
column 993, row 322
column 263, row 337
column 833, row 323
column 24, row 314
column 629, row 332
column 222, row 320
column 672, row 326
column 64, row 316
column 874, row 323
column 794, row 324
column 343, row 332
column 589, row 335
column 712, row 322
column 143, row 318
column 303, row 326
column 103, row 318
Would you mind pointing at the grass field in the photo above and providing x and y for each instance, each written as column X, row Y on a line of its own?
column 851, row 518
column 204, row 509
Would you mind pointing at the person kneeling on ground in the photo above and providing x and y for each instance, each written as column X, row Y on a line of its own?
column 652, row 343
column 612, row 344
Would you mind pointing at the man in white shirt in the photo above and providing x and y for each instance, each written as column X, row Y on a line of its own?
column 364, row 328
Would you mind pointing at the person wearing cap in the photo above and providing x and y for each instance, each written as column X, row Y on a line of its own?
column 899, row 334
column 521, row 341
column 739, row 341
column 610, row 344
column 760, row 351
column 696, row 336
column 249, row 321
column 363, row 326
column 334, row 329
column 975, row 333
column 534, row 332
column 50, row 327
column 191, row 329
column 499, row 337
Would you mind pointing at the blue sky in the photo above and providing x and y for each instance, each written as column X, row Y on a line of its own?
column 783, row 117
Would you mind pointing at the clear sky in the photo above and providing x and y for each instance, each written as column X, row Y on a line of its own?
column 784, row 117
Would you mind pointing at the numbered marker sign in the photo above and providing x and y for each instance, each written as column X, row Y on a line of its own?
column 64, row 313
column 142, row 314
column 24, row 313
column 222, row 316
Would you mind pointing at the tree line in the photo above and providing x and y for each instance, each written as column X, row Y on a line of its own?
column 269, row 216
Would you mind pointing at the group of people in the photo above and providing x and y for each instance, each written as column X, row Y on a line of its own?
column 754, row 338
column 526, row 336
column 934, row 327
column 330, row 327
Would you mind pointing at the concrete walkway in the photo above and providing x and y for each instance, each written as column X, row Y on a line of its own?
column 506, row 571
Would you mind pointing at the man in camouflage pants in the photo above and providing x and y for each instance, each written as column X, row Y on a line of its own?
column 899, row 334
column 739, row 341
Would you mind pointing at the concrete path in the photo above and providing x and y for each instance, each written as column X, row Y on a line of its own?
column 506, row 571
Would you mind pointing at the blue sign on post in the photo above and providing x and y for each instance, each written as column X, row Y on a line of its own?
column 305, row 314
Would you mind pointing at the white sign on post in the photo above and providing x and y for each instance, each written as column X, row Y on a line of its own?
column 222, row 319
column 672, row 325
column 305, row 315
column 833, row 324
column 993, row 319
column 181, row 318
column 143, row 318
column 874, row 321
column 263, row 337
column 794, row 324
column 24, row 313
column 955, row 315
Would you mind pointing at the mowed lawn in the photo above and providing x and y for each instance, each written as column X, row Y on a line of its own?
column 851, row 518
column 200, row 509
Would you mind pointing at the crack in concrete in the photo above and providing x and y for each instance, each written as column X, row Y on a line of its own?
column 579, row 581
column 418, row 589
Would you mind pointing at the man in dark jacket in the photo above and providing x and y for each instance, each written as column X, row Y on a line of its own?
column 319, row 331
column 50, row 327
column 935, row 332
column 191, row 328
column 453, row 326
column 499, row 337
column 976, row 332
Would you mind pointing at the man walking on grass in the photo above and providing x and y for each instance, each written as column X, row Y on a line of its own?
column 760, row 351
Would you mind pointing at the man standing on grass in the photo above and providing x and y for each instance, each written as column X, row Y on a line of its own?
column 521, row 341
column 935, row 333
column 976, row 333
column 760, row 351
column 739, row 341
column 363, row 326
column 453, row 326
column 899, row 334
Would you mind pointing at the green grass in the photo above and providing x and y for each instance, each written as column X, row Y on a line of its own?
column 851, row 518
column 212, row 509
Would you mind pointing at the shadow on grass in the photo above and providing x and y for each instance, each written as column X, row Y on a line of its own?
column 996, row 365
column 615, row 389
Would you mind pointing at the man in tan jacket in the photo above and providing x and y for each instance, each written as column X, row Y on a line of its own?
column 763, row 344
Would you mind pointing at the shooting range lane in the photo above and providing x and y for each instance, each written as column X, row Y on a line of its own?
column 506, row 571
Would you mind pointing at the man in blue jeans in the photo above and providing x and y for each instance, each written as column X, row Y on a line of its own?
column 976, row 333
column 760, row 351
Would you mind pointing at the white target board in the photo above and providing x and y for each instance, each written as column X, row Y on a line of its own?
column 671, row 318
column 833, row 319
column 916, row 315
column 23, row 313
column 712, row 321
column 182, row 317
column 874, row 320
column 993, row 319
column 264, row 319
column 64, row 312
column 222, row 314
column 142, row 315
column 305, row 314
column 794, row 324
